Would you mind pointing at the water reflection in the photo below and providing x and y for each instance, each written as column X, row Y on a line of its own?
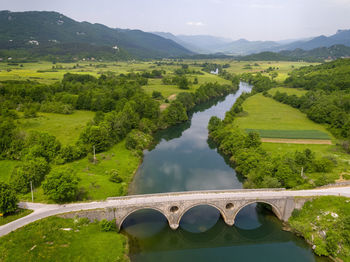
column 182, row 159
column 256, row 236
column 199, row 219
column 144, row 223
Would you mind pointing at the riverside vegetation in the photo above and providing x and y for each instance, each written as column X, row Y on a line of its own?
column 119, row 118
column 322, row 96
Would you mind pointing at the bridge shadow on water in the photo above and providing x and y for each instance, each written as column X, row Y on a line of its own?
column 202, row 228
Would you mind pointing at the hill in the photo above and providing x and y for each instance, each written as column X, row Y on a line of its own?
column 38, row 33
column 342, row 37
column 314, row 55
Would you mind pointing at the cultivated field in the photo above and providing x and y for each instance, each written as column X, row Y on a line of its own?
column 276, row 120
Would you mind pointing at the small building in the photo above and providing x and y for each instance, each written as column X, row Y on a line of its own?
column 216, row 72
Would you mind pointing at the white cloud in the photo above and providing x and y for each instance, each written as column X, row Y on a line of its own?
column 195, row 23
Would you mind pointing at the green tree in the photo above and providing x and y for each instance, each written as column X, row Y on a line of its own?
column 175, row 113
column 42, row 145
column 8, row 199
column 32, row 170
column 97, row 136
column 253, row 140
column 7, row 132
column 61, row 185
column 182, row 83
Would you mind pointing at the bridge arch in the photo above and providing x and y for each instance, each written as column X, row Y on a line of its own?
column 121, row 221
column 275, row 209
column 222, row 213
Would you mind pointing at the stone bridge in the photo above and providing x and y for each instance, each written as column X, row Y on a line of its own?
column 174, row 205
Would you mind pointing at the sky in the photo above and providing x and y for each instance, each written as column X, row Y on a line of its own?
column 235, row 19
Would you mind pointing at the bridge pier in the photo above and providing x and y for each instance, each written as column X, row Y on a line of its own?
column 174, row 211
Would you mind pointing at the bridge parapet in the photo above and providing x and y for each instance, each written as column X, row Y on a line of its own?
column 174, row 207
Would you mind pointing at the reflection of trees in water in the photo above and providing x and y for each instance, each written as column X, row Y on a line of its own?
column 212, row 145
column 177, row 130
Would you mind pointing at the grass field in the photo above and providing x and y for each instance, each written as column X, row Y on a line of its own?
column 66, row 128
column 291, row 134
column 281, row 67
column 94, row 181
column 6, row 168
column 45, row 240
column 264, row 113
column 289, row 91
column 276, row 120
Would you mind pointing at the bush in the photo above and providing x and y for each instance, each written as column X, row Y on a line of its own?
column 56, row 107
column 138, row 140
column 8, row 199
column 107, row 226
column 61, row 185
column 114, row 176
column 157, row 94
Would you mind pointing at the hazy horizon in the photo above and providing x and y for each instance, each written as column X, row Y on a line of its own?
column 264, row 20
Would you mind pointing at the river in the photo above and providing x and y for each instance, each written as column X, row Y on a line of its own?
column 183, row 159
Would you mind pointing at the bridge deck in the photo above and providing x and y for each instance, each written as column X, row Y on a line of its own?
column 183, row 200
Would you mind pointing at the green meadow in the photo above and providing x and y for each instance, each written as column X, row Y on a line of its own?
column 59, row 239
column 291, row 134
column 66, row 128
column 276, row 120
column 289, row 91
column 264, row 113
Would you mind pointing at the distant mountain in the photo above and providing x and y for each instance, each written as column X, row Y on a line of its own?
column 38, row 31
column 342, row 37
column 203, row 44
column 211, row 45
column 314, row 55
column 244, row 47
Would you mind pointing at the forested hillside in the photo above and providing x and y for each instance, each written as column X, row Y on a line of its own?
column 45, row 34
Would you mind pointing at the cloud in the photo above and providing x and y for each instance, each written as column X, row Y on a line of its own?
column 195, row 23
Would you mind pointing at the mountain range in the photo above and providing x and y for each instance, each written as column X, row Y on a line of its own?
column 211, row 44
column 51, row 35
column 39, row 32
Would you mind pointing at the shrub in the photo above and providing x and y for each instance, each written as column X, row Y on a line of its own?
column 107, row 226
column 8, row 199
column 61, row 185
column 138, row 140
column 114, row 176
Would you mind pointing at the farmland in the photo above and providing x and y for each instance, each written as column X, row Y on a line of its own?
column 273, row 119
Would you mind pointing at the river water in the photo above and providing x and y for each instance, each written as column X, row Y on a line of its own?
column 183, row 159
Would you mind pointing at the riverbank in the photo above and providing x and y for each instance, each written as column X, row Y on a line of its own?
column 260, row 116
column 325, row 224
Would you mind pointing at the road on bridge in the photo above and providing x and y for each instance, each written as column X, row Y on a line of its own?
column 46, row 210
